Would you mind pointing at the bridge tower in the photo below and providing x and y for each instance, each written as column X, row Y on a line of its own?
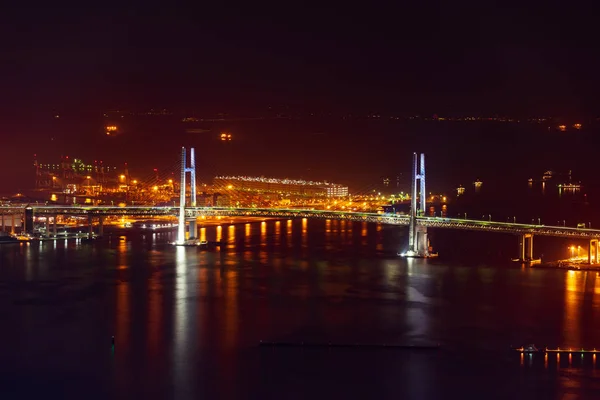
column 418, row 243
column 593, row 257
column 182, row 195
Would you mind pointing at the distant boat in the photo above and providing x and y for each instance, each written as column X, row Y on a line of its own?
column 410, row 254
column 530, row 348
column 24, row 237
column 528, row 262
column 192, row 242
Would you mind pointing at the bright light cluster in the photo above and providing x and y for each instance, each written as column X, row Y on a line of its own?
column 262, row 179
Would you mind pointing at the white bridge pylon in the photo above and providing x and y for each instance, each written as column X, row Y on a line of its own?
column 418, row 243
column 182, row 195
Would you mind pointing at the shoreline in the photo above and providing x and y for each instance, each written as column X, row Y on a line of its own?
column 569, row 265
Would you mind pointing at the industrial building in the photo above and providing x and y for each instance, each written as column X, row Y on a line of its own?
column 280, row 186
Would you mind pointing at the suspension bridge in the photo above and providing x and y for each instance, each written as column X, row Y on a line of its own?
column 418, row 245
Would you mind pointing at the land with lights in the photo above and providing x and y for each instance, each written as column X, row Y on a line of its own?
column 72, row 180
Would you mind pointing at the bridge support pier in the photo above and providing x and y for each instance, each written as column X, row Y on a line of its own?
column 593, row 252
column 422, row 241
column 54, row 227
column 28, row 217
column 2, row 216
column 48, row 227
column 101, row 226
column 12, row 223
column 193, row 228
column 526, row 247
column 90, row 226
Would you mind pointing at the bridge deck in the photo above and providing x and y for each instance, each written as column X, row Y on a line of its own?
column 430, row 222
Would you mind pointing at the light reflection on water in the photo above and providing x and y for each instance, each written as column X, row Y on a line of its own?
column 155, row 316
column 183, row 321
column 247, row 234
column 219, row 233
column 277, row 232
column 304, row 231
column 185, row 317
column 573, row 284
column 231, row 237
column 263, row 232
column 288, row 236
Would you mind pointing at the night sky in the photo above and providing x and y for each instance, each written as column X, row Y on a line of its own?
column 449, row 58
column 537, row 59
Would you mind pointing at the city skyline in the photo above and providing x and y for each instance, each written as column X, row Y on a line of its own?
column 196, row 114
column 239, row 155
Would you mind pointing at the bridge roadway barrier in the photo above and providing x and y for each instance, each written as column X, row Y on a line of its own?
column 192, row 212
column 507, row 227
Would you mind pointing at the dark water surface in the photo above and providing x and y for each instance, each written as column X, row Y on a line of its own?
column 187, row 322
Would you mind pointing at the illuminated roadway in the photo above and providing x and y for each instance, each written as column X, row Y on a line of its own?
column 389, row 219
